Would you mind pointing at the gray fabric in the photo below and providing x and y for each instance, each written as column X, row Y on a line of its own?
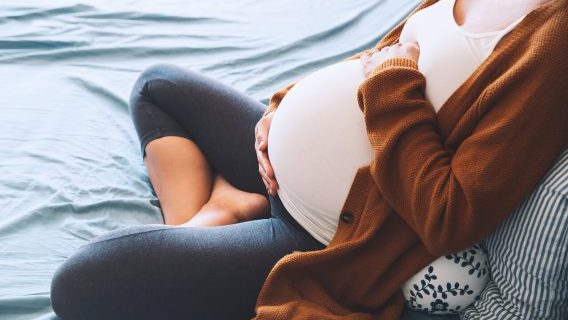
column 157, row 271
column 170, row 100
column 528, row 256
column 162, row 272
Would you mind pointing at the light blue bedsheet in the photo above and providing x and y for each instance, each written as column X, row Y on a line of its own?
column 70, row 165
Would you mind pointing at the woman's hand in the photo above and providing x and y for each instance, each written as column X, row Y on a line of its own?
column 373, row 58
column 260, row 145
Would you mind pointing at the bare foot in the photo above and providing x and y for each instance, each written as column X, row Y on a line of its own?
column 229, row 205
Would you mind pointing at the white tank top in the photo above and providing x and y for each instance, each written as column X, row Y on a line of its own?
column 318, row 139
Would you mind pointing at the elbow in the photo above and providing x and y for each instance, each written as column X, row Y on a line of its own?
column 449, row 239
column 454, row 228
column 445, row 246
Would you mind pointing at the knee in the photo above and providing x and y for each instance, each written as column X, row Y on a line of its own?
column 155, row 81
column 68, row 290
column 158, row 71
column 80, row 286
column 163, row 72
column 88, row 285
column 153, row 72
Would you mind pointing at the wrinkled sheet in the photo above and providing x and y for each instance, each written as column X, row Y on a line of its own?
column 70, row 164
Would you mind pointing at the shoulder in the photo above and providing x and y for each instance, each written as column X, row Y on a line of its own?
column 549, row 38
column 540, row 45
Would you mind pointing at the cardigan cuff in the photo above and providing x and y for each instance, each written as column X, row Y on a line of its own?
column 393, row 63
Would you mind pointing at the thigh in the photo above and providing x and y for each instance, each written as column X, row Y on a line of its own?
column 156, row 271
column 170, row 100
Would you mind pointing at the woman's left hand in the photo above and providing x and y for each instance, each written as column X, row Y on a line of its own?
column 373, row 58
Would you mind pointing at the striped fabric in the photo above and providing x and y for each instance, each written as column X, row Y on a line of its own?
column 528, row 256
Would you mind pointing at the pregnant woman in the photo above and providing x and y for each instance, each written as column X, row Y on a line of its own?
column 354, row 178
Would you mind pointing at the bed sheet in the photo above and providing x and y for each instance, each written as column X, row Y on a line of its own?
column 70, row 164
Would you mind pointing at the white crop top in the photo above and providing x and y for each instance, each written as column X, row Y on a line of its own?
column 318, row 140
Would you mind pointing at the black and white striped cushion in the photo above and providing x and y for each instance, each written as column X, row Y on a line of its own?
column 528, row 256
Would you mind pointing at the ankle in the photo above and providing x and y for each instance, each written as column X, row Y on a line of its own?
column 212, row 214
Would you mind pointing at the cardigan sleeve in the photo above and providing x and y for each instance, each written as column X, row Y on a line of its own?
column 279, row 95
column 453, row 199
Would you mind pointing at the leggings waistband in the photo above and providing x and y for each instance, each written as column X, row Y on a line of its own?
column 279, row 211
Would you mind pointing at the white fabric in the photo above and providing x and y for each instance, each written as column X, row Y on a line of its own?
column 450, row 283
column 448, row 54
column 318, row 140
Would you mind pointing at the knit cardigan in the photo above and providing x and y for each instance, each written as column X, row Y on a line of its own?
column 438, row 182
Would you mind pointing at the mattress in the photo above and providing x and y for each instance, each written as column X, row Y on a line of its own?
column 70, row 163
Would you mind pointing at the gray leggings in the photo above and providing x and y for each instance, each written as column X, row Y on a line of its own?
column 164, row 272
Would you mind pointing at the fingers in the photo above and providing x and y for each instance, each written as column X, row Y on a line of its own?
column 373, row 51
column 264, row 166
column 263, row 161
column 374, row 57
column 265, row 179
column 267, row 174
column 260, row 146
column 260, row 141
column 410, row 50
column 261, row 170
column 261, row 130
column 270, row 184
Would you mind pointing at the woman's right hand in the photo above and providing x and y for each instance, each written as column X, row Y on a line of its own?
column 260, row 145
column 373, row 58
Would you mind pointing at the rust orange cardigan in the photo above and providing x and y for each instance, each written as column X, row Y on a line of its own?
column 439, row 182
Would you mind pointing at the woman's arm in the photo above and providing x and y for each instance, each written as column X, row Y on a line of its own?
column 455, row 198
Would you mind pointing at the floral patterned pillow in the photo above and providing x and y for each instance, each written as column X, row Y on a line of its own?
column 450, row 283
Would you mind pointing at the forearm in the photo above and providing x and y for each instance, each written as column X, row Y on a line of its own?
column 454, row 194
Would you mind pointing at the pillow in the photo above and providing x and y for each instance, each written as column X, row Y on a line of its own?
column 410, row 314
column 449, row 283
column 528, row 256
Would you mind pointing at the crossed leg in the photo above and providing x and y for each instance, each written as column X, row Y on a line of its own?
column 167, row 272
column 197, row 137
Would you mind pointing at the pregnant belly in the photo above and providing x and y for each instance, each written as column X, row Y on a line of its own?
column 318, row 140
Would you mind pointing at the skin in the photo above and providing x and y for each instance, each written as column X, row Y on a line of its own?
column 196, row 197
column 209, row 200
